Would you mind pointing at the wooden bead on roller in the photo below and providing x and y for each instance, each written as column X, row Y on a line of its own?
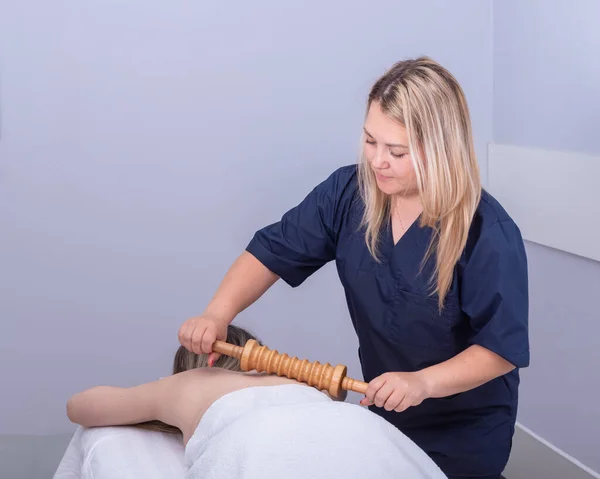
column 252, row 356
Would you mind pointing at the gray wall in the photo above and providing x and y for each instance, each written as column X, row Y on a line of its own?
column 547, row 95
column 142, row 144
column 31, row 457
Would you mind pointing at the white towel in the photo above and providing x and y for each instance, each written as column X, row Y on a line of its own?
column 295, row 431
column 122, row 452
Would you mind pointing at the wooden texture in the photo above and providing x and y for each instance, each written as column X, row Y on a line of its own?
column 325, row 377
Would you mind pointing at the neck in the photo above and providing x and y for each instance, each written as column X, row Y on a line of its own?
column 406, row 205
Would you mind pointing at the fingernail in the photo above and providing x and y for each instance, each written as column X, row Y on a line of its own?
column 211, row 361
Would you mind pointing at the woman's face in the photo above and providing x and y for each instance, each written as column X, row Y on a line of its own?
column 386, row 150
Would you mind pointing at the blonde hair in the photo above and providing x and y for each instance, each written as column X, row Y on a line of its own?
column 424, row 97
column 185, row 360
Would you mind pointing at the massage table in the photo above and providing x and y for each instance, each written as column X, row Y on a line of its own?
column 122, row 453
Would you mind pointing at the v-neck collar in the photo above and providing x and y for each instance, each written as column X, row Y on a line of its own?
column 404, row 258
column 413, row 235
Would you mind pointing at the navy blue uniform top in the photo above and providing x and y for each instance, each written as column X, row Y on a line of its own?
column 397, row 321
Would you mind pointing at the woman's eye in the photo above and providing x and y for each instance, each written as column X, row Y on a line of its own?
column 370, row 142
column 395, row 155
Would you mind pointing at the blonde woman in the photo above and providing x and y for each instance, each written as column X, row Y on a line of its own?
column 434, row 270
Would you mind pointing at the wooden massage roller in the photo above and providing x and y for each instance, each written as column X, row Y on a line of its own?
column 324, row 377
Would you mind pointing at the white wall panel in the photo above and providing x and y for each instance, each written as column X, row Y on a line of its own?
column 553, row 196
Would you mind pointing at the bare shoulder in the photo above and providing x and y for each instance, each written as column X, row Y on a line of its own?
column 209, row 384
column 185, row 397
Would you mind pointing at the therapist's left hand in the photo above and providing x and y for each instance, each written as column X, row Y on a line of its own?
column 396, row 391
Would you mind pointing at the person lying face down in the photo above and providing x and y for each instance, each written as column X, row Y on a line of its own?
column 115, row 406
column 237, row 424
column 185, row 360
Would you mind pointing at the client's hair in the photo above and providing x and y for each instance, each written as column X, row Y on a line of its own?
column 185, row 360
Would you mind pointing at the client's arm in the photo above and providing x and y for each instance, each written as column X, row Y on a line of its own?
column 115, row 406
column 179, row 400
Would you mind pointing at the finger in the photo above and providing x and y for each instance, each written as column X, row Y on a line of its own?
column 181, row 334
column 208, row 339
column 375, row 386
column 383, row 394
column 404, row 404
column 212, row 358
column 185, row 335
column 394, row 400
column 196, row 339
column 372, row 389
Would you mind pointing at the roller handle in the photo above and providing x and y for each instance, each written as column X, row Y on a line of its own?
column 228, row 349
column 354, row 385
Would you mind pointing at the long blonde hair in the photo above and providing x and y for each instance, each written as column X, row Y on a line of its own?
column 424, row 97
column 185, row 360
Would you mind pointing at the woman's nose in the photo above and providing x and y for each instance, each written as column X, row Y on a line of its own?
column 377, row 160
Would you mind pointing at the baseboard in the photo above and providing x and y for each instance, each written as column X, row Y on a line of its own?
column 31, row 456
column 535, row 458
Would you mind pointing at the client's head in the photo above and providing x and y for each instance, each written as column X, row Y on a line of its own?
column 186, row 360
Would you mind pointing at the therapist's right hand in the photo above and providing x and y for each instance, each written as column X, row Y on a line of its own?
column 199, row 333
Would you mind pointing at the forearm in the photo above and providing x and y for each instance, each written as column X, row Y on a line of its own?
column 113, row 406
column 471, row 368
column 245, row 282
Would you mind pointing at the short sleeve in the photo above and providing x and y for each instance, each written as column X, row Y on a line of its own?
column 494, row 293
column 305, row 238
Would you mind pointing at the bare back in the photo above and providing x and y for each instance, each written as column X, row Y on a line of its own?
column 187, row 396
column 179, row 400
